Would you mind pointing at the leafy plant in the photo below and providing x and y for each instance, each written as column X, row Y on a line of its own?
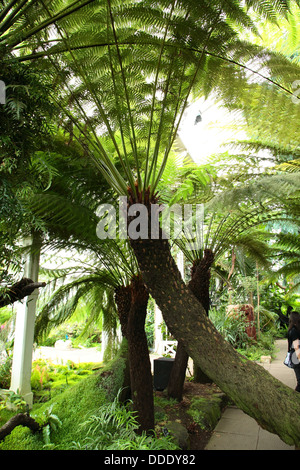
column 48, row 379
column 13, row 400
column 5, row 373
column 39, row 377
column 114, row 428
column 232, row 328
column 263, row 347
column 49, row 422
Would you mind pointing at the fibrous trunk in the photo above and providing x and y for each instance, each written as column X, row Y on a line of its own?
column 123, row 302
column 19, row 291
column 274, row 405
column 132, row 303
column 178, row 373
column 199, row 285
column 200, row 279
column 21, row 419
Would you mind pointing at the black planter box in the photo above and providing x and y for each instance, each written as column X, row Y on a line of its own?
column 162, row 370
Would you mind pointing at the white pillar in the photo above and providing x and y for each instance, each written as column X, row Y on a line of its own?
column 104, row 343
column 158, row 336
column 24, row 330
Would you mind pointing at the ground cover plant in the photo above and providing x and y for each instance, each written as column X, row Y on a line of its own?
column 84, row 415
column 87, row 416
column 48, row 379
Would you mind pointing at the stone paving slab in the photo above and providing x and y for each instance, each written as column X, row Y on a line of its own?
column 238, row 431
column 227, row 441
column 234, row 421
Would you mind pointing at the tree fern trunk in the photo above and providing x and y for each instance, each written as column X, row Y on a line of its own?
column 274, row 405
column 132, row 309
column 200, row 279
column 123, row 302
column 139, row 360
column 199, row 285
column 178, row 373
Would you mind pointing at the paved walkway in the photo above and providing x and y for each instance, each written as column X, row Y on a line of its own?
column 62, row 356
column 238, row 431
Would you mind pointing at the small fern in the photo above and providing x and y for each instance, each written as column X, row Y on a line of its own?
column 114, row 428
column 49, row 422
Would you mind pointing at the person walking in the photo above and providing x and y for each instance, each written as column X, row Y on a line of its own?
column 294, row 344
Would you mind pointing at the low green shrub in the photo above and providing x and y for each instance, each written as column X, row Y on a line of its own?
column 5, row 373
column 206, row 412
column 232, row 328
column 264, row 346
column 48, row 379
column 114, row 427
column 70, row 407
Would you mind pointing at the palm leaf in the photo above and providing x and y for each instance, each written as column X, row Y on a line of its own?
column 65, row 299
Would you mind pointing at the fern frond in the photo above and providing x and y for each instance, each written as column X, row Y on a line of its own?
column 137, row 64
column 64, row 301
column 290, row 166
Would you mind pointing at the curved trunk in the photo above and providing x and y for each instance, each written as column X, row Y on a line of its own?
column 178, row 372
column 274, row 405
column 199, row 285
column 19, row 291
column 132, row 303
column 20, row 419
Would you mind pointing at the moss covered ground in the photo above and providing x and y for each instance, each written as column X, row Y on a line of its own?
column 71, row 405
column 73, row 394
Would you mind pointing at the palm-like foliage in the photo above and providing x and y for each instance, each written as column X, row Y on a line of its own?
column 229, row 215
column 263, row 112
column 259, row 109
column 108, row 281
column 286, row 251
column 136, row 67
column 89, row 284
column 67, row 213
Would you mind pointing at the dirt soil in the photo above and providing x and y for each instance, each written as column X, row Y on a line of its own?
column 179, row 412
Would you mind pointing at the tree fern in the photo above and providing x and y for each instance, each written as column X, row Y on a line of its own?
column 286, row 248
column 290, row 166
column 144, row 55
column 63, row 303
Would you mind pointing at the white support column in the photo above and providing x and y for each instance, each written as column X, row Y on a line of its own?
column 158, row 337
column 24, row 331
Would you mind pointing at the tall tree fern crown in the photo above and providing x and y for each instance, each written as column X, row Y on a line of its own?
column 127, row 69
